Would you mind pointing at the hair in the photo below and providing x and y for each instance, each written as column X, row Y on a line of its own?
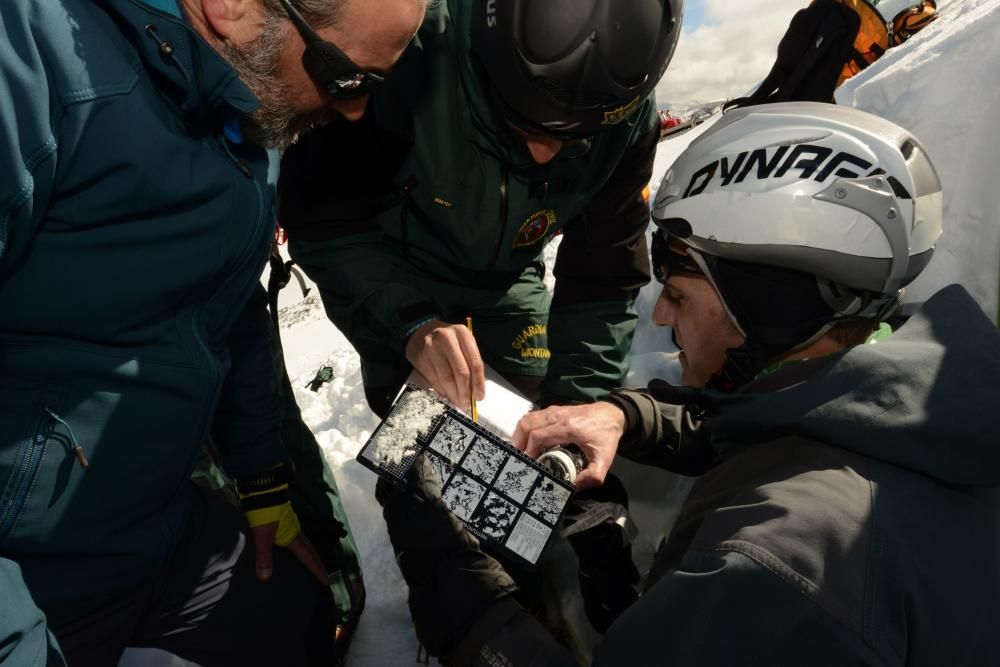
column 319, row 13
column 853, row 331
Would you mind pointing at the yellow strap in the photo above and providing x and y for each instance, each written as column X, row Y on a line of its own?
column 283, row 515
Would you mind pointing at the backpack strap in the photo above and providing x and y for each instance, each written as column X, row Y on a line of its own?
column 861, row 61
column 827, row 32
column 820, row 46
column 912, row 20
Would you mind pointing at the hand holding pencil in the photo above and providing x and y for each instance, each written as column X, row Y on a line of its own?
column 448, row 357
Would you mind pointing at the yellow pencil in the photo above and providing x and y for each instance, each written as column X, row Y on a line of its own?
column 472, row 398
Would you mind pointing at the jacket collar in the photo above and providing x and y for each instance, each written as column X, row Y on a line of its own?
column 194, row 72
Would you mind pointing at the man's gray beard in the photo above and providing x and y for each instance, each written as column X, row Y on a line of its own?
column 276, row 124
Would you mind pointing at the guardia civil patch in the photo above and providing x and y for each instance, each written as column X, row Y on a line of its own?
column 535, row 228
column 616, row 116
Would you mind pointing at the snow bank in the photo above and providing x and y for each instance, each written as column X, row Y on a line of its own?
column 942, row 85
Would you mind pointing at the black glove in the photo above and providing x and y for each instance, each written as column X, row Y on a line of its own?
column 608, row 577
column 452, row 582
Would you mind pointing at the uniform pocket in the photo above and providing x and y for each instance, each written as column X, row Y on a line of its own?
column 24, row 430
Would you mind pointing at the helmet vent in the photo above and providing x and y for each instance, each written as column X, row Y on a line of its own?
column 907, row 150
column 565, row 97
column 897, row 188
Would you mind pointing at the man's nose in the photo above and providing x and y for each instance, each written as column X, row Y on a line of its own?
column 663, row 311
column 543, row 149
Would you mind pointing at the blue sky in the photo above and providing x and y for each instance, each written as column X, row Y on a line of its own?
column 726, row 47
column 694, row 14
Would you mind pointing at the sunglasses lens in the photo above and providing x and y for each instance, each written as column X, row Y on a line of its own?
column 659, row 259
column 352, row 85
column 335, row 73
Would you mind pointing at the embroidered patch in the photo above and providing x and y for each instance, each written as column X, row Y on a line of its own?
column 616, row 116
column 535, row 228
column 443, row 202
column 528, row 348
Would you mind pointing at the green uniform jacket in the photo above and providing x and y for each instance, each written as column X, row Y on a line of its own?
column 439, row 210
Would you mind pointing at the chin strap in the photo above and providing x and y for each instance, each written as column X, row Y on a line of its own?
column 741, row 365
column 744, row 363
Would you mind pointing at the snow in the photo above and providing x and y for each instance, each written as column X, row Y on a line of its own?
column 413, row 417
column 941, row 85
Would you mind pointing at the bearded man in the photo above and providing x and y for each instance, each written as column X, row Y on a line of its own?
column 135, row 219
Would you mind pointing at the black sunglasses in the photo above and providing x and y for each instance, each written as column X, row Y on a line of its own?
column 330, row 67
column 667, row 262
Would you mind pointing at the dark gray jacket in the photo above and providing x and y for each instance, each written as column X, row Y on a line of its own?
column 851, row 517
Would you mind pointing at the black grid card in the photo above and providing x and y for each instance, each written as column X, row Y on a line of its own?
column 503, row 497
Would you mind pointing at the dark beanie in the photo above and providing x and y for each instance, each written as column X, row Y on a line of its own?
column 777, row 308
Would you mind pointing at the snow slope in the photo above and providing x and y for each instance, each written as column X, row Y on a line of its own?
column 942, row 85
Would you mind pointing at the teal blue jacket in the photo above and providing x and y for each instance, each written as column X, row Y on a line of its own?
column 132, row 323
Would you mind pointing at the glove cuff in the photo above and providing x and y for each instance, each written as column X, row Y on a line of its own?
column 264, row 500
column 269, row 480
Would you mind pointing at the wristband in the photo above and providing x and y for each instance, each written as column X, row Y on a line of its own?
column 264, row 500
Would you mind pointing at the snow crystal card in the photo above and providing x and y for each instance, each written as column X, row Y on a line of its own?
column 503, row 497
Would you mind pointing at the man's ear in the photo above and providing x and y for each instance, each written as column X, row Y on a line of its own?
column 236, row 21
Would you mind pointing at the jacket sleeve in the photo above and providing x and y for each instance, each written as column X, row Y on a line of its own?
column 724, row 608
column 661, row 434
column 27, row 139
column 247, row 426
column 601, row 264
column 328, row 206
column 721, row 608
column 24, row 637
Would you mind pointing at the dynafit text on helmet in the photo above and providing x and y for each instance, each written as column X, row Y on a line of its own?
column 842, row 207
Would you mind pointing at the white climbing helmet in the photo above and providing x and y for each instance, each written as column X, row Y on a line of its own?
column 828, row 190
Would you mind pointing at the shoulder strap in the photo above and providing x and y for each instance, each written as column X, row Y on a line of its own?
column 824, row 41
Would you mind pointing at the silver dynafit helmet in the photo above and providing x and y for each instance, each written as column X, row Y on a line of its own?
column 802, row 215
column 827, row 190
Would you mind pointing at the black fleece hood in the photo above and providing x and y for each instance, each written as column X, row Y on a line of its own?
column 927, row 398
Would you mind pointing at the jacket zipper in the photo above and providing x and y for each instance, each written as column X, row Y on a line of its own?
column 213, row 364
column 20, row 481
column 504, row 196
column 404, row 214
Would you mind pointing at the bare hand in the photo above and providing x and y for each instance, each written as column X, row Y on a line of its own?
column 301, row 547
column 595, row 428
column 447, row 355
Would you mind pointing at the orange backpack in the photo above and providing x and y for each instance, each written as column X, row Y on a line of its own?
column 872, row 40
column 912, row 20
